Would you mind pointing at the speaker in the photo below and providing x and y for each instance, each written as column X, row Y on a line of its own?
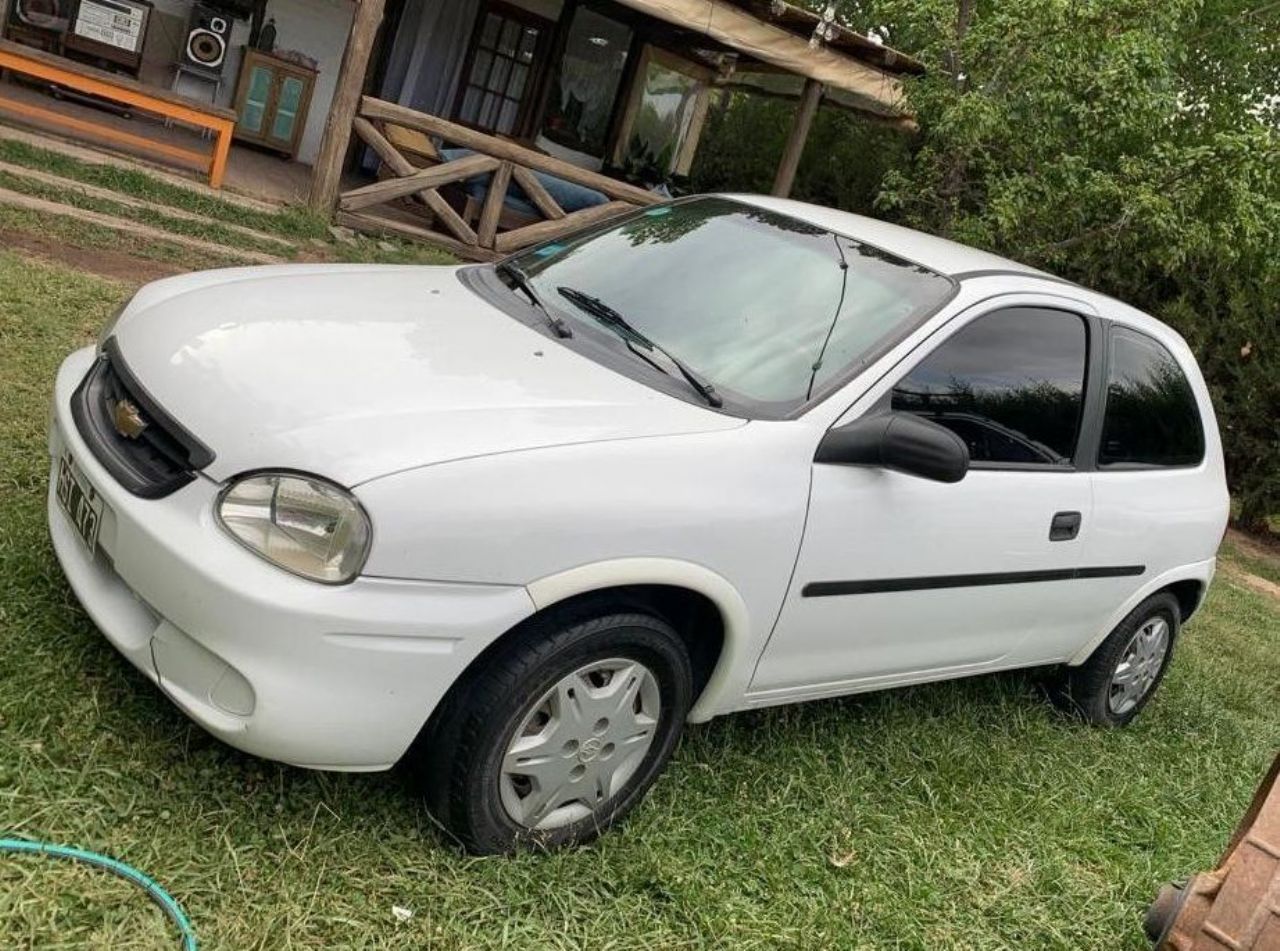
column 208, row 39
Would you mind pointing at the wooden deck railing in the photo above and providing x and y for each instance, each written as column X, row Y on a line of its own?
column 415, row 185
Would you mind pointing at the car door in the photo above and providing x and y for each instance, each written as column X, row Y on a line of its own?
column 901, row 578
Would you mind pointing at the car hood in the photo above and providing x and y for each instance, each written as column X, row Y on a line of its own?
column 354, row 372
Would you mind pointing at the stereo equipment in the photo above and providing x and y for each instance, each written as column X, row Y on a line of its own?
column 208, row 39
column 110, row 31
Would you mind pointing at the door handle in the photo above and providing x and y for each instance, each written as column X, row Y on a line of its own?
column 1064, row 527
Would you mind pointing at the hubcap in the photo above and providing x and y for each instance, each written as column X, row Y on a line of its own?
column 1139, row 666
column 580, row 743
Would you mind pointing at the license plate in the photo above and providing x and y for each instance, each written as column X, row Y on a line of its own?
column 80, row 501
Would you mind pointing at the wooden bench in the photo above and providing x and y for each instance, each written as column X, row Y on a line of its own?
column 128, row 92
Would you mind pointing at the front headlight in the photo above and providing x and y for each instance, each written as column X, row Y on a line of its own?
column 302, row 523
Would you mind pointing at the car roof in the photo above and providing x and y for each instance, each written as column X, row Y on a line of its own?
column 937, row 254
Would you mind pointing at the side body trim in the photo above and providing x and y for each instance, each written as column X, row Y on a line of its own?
column 827, row 589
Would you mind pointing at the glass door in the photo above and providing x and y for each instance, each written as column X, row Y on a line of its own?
column 253, row 114
column 664, row 117
column 584, row 89
column 288, row 104
column 500, row 71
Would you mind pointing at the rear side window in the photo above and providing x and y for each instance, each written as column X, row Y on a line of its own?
column 1151, row 416
column 1010, row 384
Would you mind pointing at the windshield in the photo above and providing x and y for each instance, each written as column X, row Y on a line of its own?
column 767, row 309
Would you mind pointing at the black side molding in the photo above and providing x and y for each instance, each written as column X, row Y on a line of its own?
column 828, row 589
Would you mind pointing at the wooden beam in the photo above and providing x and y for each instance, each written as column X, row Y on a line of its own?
column 537, row 193
column 800, row 125
column 545, row 230
column 376, row 224
column 492, row 211
column 402, row 167
column 326, row 177
column 507, row 151
column 432, row 177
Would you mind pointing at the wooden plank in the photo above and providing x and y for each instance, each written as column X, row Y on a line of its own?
column 326, row 177
column 100, row 82
column 221, row 152
column 507, row 151
column 402, row 166
column 537, row 193
column 83, row 126
column 799, row 134
column 375, row 224
column 412, row 141
column 518, row 238
column 433, row 177
column 493, row 200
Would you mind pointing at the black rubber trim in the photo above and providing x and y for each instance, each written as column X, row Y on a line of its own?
column 828, row 589
column 102, row 441
column 201, row 456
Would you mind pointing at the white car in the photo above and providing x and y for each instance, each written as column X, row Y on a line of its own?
column 518, row 523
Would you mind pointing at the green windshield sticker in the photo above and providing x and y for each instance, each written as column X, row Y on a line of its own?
column 658, row 212
column 547, row 250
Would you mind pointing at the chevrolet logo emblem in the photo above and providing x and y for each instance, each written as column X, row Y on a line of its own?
column 128, row 419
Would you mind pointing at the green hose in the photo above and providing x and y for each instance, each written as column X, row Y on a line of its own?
column 149, row 885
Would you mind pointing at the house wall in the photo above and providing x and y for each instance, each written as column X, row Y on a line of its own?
column 318, row 28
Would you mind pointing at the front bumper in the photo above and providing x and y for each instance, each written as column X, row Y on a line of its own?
column 284, row 668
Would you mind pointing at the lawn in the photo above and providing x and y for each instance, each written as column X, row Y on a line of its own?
column 968, row 815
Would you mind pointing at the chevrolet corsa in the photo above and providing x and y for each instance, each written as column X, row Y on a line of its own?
column 516, row 524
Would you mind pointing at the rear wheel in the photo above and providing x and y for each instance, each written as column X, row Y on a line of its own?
column 1119, row 678
column 560, row 734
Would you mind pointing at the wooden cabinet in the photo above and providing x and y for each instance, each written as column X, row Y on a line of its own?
column 273, row 96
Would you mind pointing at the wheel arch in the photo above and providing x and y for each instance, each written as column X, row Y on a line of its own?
column 666, row 584
column 1188, row 584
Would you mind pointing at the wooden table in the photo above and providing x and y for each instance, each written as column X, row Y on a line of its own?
column 129, row 92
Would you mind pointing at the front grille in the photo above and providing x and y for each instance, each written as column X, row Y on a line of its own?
column 151, row 455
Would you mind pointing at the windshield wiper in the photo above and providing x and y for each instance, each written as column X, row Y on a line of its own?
column 602, row 312
column 521, row 280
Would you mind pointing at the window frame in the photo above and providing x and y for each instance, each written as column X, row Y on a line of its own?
column 1112, row 327
column 1093, row 388
column 531, row 97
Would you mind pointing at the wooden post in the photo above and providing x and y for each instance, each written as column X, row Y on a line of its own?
column 327, row 174
column 800, row 125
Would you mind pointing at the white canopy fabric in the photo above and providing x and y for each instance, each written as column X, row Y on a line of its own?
column 736, row 28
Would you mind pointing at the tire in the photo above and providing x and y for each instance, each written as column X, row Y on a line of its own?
column 1143, row 642
column 558, row 686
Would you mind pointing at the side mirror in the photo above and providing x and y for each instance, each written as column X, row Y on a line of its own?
column 900, row 441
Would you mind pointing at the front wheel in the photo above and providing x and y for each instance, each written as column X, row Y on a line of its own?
column 560, row 734
column 1119, row 678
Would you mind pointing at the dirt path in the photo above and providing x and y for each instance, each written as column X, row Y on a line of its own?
column 1238, row 572
column 104, row 262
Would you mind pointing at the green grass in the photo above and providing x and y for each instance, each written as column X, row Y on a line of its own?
column 294, row 222
column 89, row 236
column 204, row 229
column 1254, row 557
column 967, row 815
